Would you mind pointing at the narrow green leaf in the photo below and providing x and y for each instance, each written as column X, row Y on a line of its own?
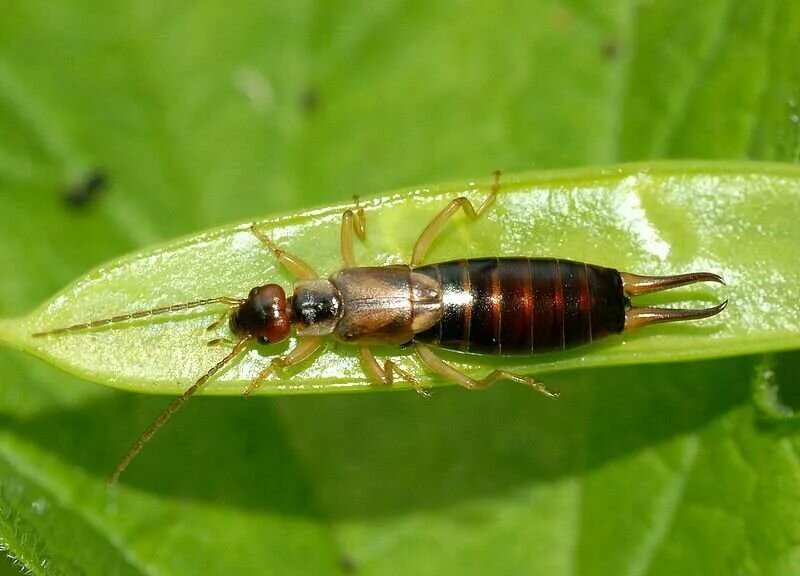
column 736, row 219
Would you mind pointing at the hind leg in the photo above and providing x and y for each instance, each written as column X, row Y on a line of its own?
column 443, row 369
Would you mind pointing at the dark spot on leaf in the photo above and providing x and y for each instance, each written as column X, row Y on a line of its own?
column 309, row 100
column 86, row 190
column 348, row 564
column 610, row 49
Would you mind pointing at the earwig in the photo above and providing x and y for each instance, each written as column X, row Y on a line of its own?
column 481, row 305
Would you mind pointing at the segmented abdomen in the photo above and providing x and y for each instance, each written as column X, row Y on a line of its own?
column 524, row 305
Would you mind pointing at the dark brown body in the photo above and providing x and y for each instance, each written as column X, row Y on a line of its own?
column 524, row 305
column 483, row 305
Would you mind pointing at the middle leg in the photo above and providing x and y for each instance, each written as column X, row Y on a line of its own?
column 386, row 374
column 305, row 348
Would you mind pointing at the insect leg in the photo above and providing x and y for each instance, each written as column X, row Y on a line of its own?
column 218, row 322
column 443, row 369
column 170, row 411
column 435, row 226
column 305, row 348
column 353, row 221
column 297, row 267
column 386, row 374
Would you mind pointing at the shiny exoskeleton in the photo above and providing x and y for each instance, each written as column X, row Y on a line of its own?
column 480, row 305
column 524, row 305
column 485, row 305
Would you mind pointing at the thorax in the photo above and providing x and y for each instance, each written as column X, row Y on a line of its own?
column 368, row 305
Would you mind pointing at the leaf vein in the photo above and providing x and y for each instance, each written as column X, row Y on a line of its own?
column 22, row 469
column 671, row 497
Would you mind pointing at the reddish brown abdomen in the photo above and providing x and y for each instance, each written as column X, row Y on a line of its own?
column 524, row 305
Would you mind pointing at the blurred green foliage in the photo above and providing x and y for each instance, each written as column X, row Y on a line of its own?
column 205, row 113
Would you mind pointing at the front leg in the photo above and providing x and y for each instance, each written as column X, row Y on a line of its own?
column 305, row 348
column 435, row 226
column 296, row 266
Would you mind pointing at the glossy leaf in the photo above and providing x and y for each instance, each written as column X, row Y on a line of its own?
column 648, row 219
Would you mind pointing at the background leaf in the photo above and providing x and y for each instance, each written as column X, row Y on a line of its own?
column 204, row 114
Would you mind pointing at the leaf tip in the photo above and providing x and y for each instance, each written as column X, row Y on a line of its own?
column 15, row 333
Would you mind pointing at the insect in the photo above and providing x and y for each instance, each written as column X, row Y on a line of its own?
column 484, row 305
